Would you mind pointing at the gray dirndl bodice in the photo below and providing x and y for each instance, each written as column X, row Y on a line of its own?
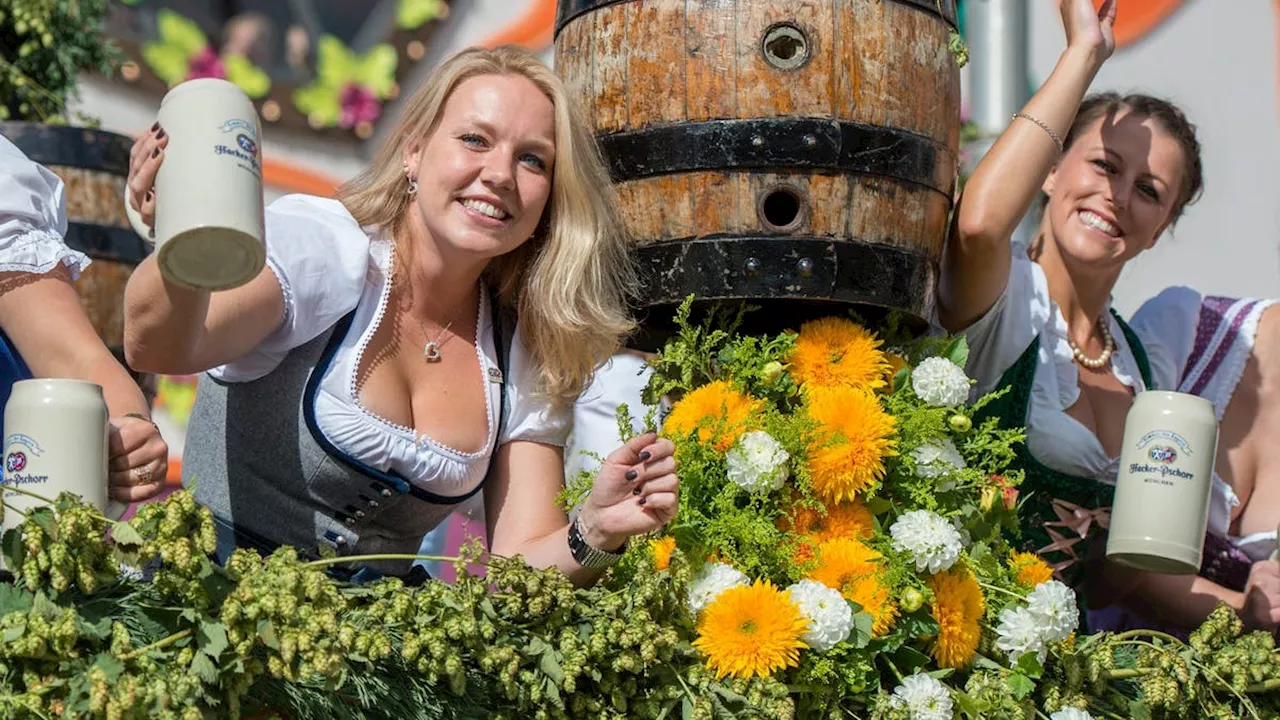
column 258, row 460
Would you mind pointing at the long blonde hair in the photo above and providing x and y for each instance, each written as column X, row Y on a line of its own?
column 571, row 281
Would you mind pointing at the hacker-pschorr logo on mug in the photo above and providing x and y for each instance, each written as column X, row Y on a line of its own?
column 246, row 149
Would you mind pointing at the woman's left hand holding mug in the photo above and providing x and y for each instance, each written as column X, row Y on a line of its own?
column 144, row 163
column 138, row 459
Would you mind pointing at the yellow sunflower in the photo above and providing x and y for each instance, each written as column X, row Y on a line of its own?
column 812, row 527
column 834, row 352
column 717, row 412
column 1029, row 569
column 854, row 436
column 957, row 607
column 751, row 630
column 851, row 567
column 662, row 549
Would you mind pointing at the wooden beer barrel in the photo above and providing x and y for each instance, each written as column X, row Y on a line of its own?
column 799, row 152
column 93, row 164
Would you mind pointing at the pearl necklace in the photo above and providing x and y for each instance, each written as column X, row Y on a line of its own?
column 1108, row 347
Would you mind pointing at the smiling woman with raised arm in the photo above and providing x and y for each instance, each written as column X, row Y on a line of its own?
column 1116, row 172
column 418, row 339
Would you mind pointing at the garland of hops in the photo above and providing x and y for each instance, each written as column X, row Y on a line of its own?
column 840, row 551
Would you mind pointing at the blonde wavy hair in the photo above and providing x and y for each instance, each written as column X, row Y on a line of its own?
column 570, row 282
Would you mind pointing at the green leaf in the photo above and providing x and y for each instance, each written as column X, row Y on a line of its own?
column 213, row 637
column 45, row 607
column 1138, row 710
column 124, row 534
column 957, row 351
column 319, row 102
column 267, row 633
column 180, row 33
column 204, row 668
column 14, row 551
column 862, row 630
column 967, row 705
column 1030, row 666
column 109, row 664
column 909, row 659
column 334, row 63
column 411, row 14
column 901, row 379
column 1021, row 685
column 377, row 70
column 14, row 599
column 43, row 517
column 249, row 77
column 169, row 63
column 550, row 666
column 13, row 633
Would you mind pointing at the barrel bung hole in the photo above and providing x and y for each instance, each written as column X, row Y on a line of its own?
column 781, row 209
column 785, row 46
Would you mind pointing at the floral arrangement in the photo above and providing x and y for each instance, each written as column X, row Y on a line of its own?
column 841, row 551
column 349, row 89
column 183, row 52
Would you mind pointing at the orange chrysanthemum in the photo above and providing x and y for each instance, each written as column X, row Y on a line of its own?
column 662, row 549
column 1029, row 569
column 812, row 527
column 751, row 630
column 834, row 352
column 957, row 607
column 851, row 567
column 717, row 412
column 854, row 436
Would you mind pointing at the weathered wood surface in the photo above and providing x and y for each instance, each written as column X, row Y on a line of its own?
column 642, row 66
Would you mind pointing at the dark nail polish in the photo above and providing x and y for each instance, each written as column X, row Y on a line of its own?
column 155, row 153
column 640, row 501
column 155, row 126
column 160, row 134
column 632, row 475
column 636, row 491
column 644, row 455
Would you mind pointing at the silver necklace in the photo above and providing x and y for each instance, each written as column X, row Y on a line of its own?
column 431, row 350
column 1108, row 347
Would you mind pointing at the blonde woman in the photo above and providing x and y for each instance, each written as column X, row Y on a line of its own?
column 416, row 340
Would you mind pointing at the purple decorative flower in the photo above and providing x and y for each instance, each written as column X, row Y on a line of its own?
column 206, row 65
column 359, row 105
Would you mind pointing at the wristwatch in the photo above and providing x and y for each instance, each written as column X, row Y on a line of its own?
column 587, row 556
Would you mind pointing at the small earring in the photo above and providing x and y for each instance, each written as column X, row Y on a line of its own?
column 413, row 186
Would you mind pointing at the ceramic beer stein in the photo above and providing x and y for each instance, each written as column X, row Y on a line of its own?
column 209, row 203
column 55, row 440
column 1161, row 508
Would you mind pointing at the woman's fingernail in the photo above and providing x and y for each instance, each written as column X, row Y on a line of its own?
column 155, row 126
column 640, row 501
column 632, row 475
column 644, row 455
column 160, row 134
column 636, row 491
column 155, row 153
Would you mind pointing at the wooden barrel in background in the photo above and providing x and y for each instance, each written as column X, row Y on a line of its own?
column 93, row 164
column 799, row 152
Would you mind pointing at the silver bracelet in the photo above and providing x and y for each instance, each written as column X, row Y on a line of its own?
column 1056, row 140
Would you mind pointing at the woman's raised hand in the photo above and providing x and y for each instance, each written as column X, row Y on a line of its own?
column 144, row 163
column 1090, row 28
column 635, row 492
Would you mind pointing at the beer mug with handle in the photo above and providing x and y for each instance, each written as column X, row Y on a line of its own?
column 209, row 205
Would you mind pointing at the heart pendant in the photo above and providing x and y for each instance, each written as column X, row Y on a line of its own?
column 431, row 352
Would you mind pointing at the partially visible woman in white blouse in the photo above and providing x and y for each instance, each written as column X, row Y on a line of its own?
column 418, row 339
column 44, row 331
